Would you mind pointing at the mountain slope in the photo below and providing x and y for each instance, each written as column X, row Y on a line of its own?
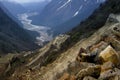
column 13, row 38
column 35, row 6
column 14, row 8
column 93, row 54
column 60, row 11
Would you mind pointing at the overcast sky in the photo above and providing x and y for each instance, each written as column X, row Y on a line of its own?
column 25, row 1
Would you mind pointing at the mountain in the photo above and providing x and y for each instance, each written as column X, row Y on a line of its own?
column 14, row 8
column 13, row 38
column 35, row 6
column 90, row 51
column 60, row 11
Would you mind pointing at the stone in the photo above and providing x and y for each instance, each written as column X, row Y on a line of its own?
column 82, row 50
column 107, row 66
column 93, row 52
column 116, row 29
column 109, row 73
column 67, row 76
column 76, row 66
column 89, row 78
column 85, row 57
column 90, row 71
column 109, row 54
column 112, row 18
column 117, row 77
column 113, row 41
column 100, row 46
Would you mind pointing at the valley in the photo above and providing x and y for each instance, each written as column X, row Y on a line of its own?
column 44, row 36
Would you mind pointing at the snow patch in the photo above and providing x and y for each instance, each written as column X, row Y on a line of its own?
column 64, row 4
column 76, row 13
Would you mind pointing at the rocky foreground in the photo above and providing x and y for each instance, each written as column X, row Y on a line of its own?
column 93, row 58
column 96, row 57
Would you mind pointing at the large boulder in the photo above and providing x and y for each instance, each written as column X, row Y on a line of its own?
column 109, row 54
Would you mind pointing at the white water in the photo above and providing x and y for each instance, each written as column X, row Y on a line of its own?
column 42, row 30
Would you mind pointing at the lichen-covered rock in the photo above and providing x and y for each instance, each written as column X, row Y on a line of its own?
column 109, row 54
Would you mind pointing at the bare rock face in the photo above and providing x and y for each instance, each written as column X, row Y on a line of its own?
column 109, row 54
